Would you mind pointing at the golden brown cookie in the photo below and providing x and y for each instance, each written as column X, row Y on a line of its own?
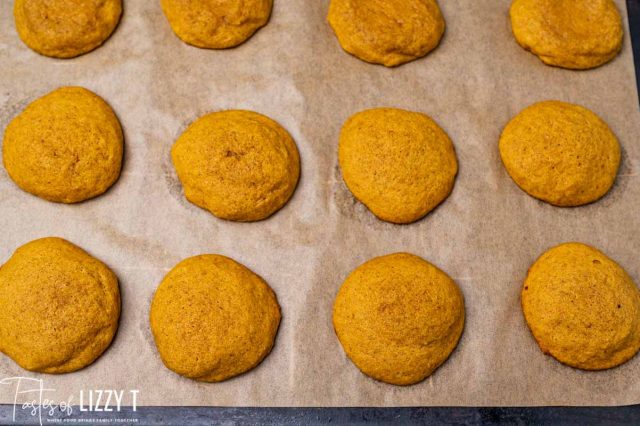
column 400, row 164
column 575, row 34
column 216, row 24
column 561, row 153
column 66, row 28
column 64, row 147
column 59, row 306
column 387, row 32
column 582, row 307
column 239, row 165
column 398, row 318
column 213, row 319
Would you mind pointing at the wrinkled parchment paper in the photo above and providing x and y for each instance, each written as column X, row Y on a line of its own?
column 485, row 235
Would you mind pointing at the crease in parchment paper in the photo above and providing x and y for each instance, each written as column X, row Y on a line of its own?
column 486, row 234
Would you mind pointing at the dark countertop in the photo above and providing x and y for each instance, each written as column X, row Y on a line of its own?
column 193, row 416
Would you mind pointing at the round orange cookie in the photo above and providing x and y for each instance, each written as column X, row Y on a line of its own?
column 398, row 318
column 582, row 307
column 213, row 319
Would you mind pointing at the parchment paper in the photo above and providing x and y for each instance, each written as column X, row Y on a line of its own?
column 485, row 235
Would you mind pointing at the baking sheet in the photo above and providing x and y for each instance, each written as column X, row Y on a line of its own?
column 485, row 235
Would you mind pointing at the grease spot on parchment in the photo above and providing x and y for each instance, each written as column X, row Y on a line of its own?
column 625, row 174
column 170, row 176
column 348, row 206
column 143, row 323
column 346, row 203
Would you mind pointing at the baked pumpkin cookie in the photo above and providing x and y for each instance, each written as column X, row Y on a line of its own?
column 216, row 24
column 387, row 32
column 66, row 28
column 64, row 147
column 398, row 318
column 582, row 307
column 400, row 164
column 59, row 306
column 574, row 34
column 213, row 319
column 239, row 165
column 561, row 153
